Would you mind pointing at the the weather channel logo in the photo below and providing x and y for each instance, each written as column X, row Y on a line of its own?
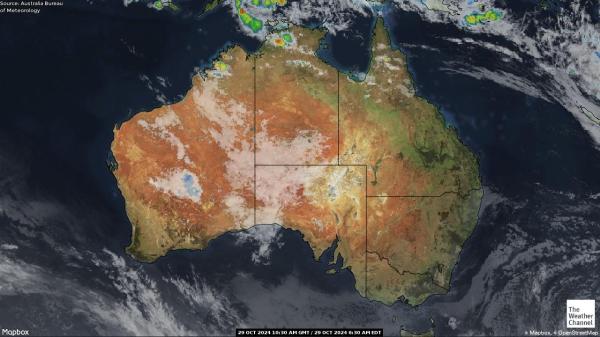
column 581, row 314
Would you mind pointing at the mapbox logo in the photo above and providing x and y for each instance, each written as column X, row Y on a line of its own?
column 15, row 332
column 581, row 314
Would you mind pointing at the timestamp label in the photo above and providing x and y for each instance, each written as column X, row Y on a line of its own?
column 309, row 332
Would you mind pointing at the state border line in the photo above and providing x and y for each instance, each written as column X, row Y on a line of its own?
column 319, row 165
column 366, row 229
column 338, row 117
column 254, row 133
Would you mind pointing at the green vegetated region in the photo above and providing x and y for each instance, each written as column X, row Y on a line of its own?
column 211, row 5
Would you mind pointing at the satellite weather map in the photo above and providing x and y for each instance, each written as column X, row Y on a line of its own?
column 300, row 168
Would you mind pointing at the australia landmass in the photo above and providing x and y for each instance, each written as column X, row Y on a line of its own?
column 281, row 137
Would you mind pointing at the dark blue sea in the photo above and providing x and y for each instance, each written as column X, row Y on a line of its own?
column 71, row 74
